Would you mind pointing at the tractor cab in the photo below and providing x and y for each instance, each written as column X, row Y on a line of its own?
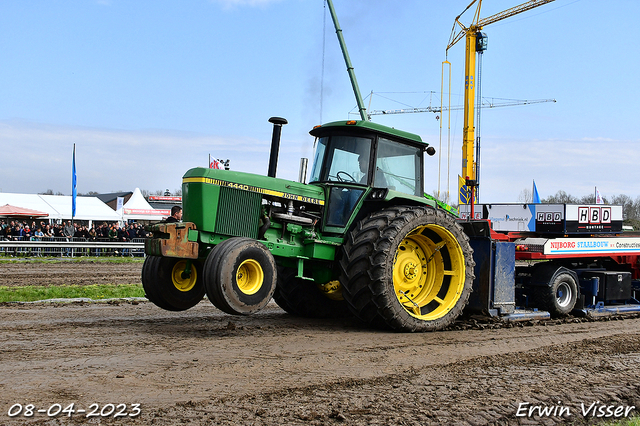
column 359, row 159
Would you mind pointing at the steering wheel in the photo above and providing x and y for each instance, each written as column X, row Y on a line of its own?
column 341, row 177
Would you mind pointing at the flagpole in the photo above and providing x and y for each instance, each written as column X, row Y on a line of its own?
column 74, row 193
column 74, row 188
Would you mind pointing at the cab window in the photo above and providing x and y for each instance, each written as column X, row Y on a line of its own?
column 398, row 167
column 342, row 159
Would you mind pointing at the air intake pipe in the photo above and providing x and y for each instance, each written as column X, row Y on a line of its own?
column 277, row 122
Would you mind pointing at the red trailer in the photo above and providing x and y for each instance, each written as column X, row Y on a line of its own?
column 537, row 260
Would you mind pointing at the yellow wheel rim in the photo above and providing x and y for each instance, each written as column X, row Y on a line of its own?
column 180, row 280
column 332, row 289
column 429, row 272
column 250, row 276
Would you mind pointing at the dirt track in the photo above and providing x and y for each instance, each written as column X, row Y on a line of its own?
column 68, row 273
column 205, row 367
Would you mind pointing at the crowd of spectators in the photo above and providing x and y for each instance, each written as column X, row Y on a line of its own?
column 31, row 231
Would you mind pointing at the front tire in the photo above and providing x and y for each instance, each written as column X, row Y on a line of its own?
column 407, row 268
column 167, row 284
column 149, row 282
column 240, row 276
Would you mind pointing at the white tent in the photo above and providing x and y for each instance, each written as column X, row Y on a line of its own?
column 87, row 208
column 30, row 201
column 59, row 206
column 137, row 208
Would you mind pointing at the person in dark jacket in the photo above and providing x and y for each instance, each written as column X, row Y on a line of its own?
column 176, row 215
column 141, row 232
column 132, row 232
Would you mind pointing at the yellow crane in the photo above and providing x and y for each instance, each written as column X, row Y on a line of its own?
column 476, row 42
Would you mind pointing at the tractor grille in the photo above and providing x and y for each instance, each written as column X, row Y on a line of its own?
column 238, row 213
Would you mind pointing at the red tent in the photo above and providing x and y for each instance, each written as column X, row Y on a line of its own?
column 20, row 212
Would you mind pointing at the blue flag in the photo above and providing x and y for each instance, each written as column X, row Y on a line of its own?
column 74, row 190
column 536, row 197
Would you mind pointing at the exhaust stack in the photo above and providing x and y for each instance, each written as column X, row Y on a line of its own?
column 277, row 122
column 302, row 175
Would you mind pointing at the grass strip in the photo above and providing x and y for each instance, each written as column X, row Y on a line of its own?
column 631, row 421
column 95, row 292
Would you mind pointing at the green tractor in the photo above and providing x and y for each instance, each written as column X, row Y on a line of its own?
column 361, row 238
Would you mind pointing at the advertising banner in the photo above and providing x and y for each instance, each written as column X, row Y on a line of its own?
column 568, row 246
column 593, row 218
column 504, row 217
column 151, row 212
column 550, row 218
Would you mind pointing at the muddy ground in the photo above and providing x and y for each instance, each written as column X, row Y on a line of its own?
column 204, row 367
column 67, row 272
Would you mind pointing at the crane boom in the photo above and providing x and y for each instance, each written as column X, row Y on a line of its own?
column 476, row 43
column 430, row 108
column 478, row 24
column 510, row 12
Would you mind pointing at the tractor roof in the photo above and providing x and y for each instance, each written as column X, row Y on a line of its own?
column 366, row 126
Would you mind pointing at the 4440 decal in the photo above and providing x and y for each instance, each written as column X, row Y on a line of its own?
column 251, row 188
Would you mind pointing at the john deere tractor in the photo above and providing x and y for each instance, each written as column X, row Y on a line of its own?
column 359, row 239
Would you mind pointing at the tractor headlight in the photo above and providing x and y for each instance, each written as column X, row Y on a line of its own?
column 378, row 194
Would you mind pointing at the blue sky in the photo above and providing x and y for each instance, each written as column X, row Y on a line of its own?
column 148, row 89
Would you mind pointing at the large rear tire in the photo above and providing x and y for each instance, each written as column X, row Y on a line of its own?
column 240, row 276
column 407, row 268
column 168, row 286
column 303, row 298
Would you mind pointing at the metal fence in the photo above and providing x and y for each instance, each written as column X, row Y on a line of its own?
column 70, row 247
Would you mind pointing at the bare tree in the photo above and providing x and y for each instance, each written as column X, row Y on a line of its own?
column 561, row 197
column 629, row 210
column 526, row 196
column 443, row 196
column 146, row 193
column 591, row 199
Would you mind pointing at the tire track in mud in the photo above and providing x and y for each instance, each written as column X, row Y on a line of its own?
column 51, row 273
column 205, row 367
column 480, row 391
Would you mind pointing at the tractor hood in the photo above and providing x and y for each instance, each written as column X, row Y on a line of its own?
column 256, row 184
